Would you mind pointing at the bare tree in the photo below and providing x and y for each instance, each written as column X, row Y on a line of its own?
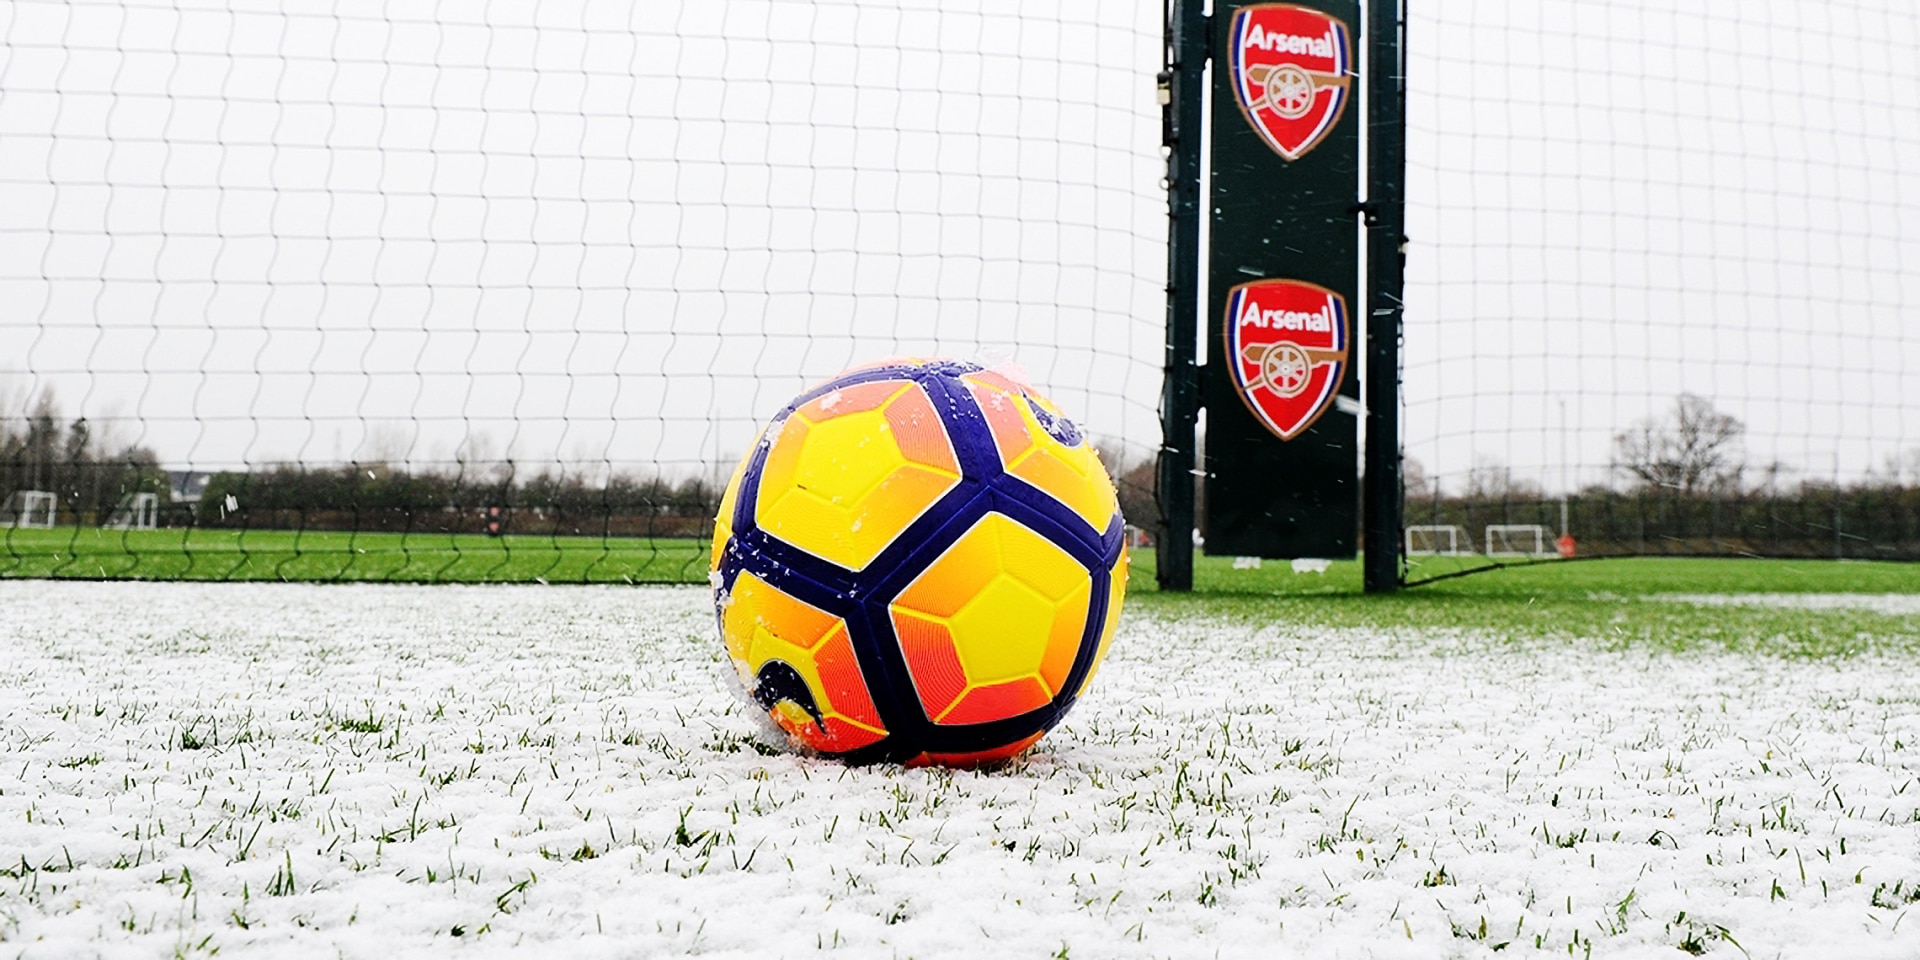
column 1414, row 482
column 1903, row 468
column 1489, row 479
column 1693, row 449
column 1134, row 481
column 384, row 445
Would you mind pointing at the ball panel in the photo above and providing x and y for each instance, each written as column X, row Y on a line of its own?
column 996, row 701
column 1052, row 456
column 757, row 613
column 1072, row 476
column 1069, row 628
column 729, row 505
column 1038, row 562
column 843, row 480
column 1116, row 592
column 955, row 577
column 920, row 433
column 789, row 440
column 977, row 757
column 996, row 380
column 935, row 668
column 770, row 634
column 1002, row 632
column 1010, row 608
column 841, row 460
column 854, row 398
column 840, row 679
column 1010, row 437
column 903, row 497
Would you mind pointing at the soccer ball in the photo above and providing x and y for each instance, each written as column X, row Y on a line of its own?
column 919, row 562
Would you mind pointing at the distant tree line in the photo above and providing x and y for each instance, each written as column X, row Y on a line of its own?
column 457, row 499
column 1683, row 486
column 1680, row 485
column 89, row 474
column 40, row 449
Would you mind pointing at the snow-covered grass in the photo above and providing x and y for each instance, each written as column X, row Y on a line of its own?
column 1890, row 604
column 394, row 771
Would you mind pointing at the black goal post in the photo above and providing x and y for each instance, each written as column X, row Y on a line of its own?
column 1284, row 284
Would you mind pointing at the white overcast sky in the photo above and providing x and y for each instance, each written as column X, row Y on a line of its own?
column 619, row 234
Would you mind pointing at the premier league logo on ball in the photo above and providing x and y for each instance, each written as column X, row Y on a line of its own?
column 1292, row 74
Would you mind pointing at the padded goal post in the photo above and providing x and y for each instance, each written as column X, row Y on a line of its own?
column 1303, row 221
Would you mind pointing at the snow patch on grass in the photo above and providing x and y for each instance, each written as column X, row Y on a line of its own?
column 1891, row 604
column 381, row 771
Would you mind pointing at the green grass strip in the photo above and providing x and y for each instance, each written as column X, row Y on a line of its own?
column 201, row 554
column 1621, row 603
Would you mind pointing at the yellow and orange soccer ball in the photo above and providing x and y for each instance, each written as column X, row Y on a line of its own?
column 919, row 562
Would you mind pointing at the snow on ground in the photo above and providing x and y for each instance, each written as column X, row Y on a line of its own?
column 399, row 771
column 1890, row 604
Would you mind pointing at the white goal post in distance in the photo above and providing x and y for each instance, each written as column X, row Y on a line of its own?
column 30, row 508
column 1518, row 540
column 137, row 511
column 1438, row 540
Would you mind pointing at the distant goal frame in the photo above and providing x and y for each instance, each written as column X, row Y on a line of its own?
column 19, row 512
column 1459, row 544
column 136, row 511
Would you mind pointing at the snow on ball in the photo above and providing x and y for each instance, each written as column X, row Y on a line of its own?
column 919, row 561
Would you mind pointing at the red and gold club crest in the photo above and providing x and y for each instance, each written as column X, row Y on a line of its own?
column 1287, row 341
column 1292, row 73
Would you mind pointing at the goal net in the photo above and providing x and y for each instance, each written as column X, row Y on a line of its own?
column 376, row 268
column 1663, row 268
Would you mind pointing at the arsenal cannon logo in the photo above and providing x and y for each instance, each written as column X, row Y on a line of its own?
column 1292, row 73
column 1287, row 351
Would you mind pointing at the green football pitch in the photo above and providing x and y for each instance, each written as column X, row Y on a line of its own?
column 1672, row 603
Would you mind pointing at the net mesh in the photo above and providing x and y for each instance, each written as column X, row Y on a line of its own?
column 1663, row 272
column 346, row 284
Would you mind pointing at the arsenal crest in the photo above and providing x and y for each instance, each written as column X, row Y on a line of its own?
column 1292, row 73
column 1287, row 350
